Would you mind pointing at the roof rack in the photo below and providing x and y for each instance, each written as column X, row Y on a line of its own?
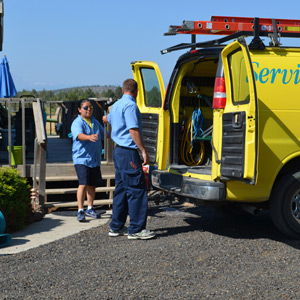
column 234, row 27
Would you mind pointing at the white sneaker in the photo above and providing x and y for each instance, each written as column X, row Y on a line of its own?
column 142, row 235
column 123, row 231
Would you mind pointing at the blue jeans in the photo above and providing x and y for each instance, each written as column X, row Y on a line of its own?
column 130, row 195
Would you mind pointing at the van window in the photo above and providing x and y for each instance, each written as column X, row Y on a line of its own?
column 239, row 80
column 151, row 86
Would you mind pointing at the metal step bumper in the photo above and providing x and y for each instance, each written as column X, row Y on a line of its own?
column 188, row 187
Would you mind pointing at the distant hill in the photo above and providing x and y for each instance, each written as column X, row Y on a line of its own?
column 95, row 88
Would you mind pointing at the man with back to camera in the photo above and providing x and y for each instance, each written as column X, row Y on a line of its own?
column 130, row 195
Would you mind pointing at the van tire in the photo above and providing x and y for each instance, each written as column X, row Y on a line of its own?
column 285, row 205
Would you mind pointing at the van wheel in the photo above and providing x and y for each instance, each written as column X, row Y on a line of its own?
column 285, row 205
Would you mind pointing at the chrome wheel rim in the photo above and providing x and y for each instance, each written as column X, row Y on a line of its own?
column 295, row 206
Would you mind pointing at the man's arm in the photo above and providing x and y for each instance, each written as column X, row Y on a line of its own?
column 136, row 136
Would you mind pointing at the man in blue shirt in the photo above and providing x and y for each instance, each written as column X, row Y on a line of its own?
column 130, row 195
column 87, row 134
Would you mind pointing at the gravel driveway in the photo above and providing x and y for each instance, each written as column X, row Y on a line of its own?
column 197, row 254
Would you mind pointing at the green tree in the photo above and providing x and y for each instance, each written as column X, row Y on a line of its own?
column 72, row 94
column 118, row 92
column 153, row 97
column 46, row 94
column 89, row 93
column 109, row 93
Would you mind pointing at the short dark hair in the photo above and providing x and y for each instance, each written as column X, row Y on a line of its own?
column 130, row 85
column 82, row 101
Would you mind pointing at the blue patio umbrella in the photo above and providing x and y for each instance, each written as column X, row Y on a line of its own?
column 7, row 86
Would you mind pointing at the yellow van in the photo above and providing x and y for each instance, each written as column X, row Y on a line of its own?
column 227, row 129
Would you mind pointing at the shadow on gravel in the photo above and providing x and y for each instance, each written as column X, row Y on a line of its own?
column 208, row 219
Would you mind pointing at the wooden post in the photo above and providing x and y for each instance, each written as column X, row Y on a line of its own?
column 42, row 176
column 23, row 138
column 41, row 140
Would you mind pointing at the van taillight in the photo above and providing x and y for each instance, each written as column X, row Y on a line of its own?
column 219, row 100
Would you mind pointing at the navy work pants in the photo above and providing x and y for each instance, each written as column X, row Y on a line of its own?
column 130, row 195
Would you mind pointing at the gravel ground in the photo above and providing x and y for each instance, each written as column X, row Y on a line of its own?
column 197, row 254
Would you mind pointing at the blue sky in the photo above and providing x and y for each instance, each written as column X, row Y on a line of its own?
column 63, row 43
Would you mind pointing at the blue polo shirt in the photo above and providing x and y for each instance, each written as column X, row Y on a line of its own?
column 86, row 152
column 124, row 115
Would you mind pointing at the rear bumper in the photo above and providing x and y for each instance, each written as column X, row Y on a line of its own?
column 188, row 187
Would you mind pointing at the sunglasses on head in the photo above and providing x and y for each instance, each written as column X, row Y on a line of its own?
column 87, row 107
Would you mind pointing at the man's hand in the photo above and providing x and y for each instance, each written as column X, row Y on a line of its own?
column 145, row 157
column 136, row 136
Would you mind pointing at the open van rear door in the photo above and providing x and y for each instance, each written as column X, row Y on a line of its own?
column 240, row 119
column 155, row 120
